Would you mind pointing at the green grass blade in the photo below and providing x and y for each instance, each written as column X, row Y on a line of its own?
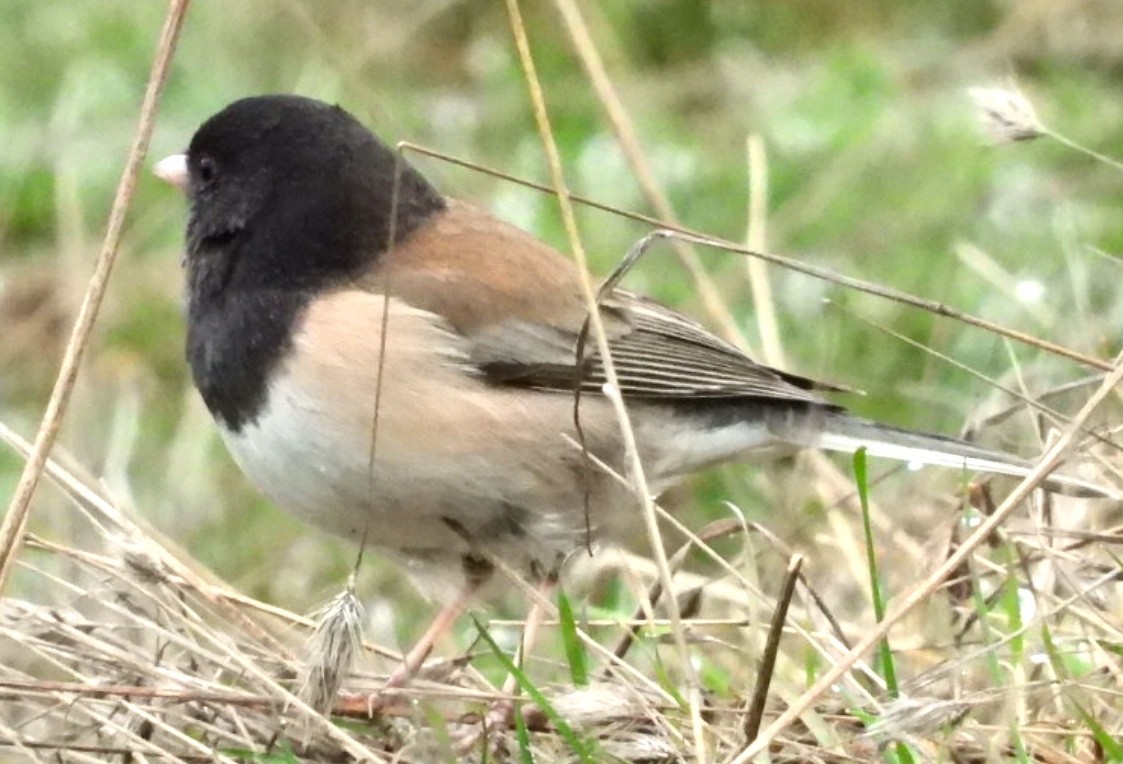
column 884, row 653
column 574, row 650
column 582, row 747
column 904, row 753
column 522, row 734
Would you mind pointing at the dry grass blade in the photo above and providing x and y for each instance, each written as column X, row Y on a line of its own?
column 712, row 532
column 150, row 667
column 15, row 519
column 764, row 305
column 630, row 144
column 1022, row 400
column 638, row 479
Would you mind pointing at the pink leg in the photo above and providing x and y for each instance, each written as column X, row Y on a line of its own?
column 413, row 660
column 440, row 626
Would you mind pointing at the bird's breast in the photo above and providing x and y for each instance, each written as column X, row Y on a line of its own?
column 375, row 426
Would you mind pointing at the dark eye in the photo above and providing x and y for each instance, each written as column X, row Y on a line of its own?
column 207, row 169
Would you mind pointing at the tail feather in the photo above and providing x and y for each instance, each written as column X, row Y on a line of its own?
column 846, row 433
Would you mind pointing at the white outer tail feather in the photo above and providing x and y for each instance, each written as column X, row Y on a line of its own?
column 846, row 444
column 846, row 433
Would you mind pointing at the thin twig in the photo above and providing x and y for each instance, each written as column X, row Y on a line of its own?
column 1054, row 416
column 712, row 532
column 797, row 266
column 771, row 650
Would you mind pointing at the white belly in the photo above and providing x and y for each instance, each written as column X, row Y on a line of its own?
column 322, row 469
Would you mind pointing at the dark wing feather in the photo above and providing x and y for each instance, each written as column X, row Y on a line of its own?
column 657, row 354
column 519, row 305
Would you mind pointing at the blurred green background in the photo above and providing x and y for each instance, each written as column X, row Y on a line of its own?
column 877, row 169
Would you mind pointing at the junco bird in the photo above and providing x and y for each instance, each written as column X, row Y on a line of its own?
column 398, row 367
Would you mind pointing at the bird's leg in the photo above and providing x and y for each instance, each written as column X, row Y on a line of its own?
column 441, row 624
column 477, row 572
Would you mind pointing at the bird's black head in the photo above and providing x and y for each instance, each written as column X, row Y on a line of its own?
column 289, row 192
column 288, row 197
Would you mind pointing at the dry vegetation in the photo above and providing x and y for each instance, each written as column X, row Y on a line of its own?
column 118, row 643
